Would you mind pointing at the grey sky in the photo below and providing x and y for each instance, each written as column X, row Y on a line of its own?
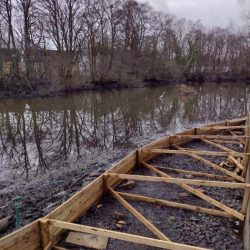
column 210, row 12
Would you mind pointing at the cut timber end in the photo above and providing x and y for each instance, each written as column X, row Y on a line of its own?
column 87, row 240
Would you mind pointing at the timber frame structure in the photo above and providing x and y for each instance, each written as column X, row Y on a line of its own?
column 45, row 233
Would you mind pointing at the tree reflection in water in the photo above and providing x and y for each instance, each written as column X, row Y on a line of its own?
column 39, row 133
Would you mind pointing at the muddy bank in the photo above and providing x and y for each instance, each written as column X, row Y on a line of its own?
column 179, row 225
column 45, row 89
column 41, row 194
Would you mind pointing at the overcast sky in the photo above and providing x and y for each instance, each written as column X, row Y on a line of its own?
column 210, row 12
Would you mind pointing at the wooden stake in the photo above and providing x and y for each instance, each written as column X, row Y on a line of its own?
column 175, row 204
column 247, row 147
column 45, row 235
column 245, row 202
column 123, row 236
column 139, row 216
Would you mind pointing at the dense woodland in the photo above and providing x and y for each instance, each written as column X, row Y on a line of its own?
column 118, row 41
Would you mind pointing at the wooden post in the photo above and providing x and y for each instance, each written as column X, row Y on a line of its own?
column 245, row 202
column 247, row 146
column 139, row 157
column 46, row 242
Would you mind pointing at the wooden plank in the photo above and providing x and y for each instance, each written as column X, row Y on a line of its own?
column 124, row 236
column 139, row 216
column 174, row 204
column 194, row 173
column 236, row 162
column 208, row 128
column 245, row 202
column 219, row 146
column 242, row 139
column 212, row 137
column 200, row 195
column 178, row 181
column 26, row 238
column 247, row 146
column 197, row 152
column 87, row 240
column 227, row 142
column 59, row 248
column 45, row 234
column 214, row 166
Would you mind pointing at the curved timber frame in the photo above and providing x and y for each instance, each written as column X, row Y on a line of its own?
column 45, row 232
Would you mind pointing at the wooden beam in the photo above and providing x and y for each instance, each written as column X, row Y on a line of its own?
column 236, row 162
column 226, row 142
column 194, row 173
column 219, row 146
column 233, row 185
column 174, row 204
column 59, row 248
column 212, row 137
column 245, row 202
column 247, row 146
column 123, row 236
column 200, row 195
column 45, row 235
column 139, row 216
column 242, row 139
column 208, row 128
column 212, row 165
column 197, row 152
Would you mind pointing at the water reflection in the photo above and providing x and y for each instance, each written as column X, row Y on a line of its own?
column 39, row 133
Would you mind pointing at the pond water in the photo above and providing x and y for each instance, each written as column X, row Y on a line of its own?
column 39, row 134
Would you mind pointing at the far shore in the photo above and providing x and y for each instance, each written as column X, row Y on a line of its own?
column 42, row 88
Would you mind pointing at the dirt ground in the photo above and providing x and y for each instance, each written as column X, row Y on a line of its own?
column 181, row 226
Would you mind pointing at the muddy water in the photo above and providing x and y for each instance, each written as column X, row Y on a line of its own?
column 38, row 135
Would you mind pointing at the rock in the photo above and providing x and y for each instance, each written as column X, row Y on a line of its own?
column 99, row 206
column 122, row 222
column 194, row 219
column 189, row 176
column 118, row 215
column 215, row 224
column 119, row 226
column 183, row 194
column 214, row 239
column 94, row 174
column 61, row 194
column 128, row 185
column 172, row 218
column 237, row 223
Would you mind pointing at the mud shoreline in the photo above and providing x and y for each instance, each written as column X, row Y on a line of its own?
column 43, row 88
